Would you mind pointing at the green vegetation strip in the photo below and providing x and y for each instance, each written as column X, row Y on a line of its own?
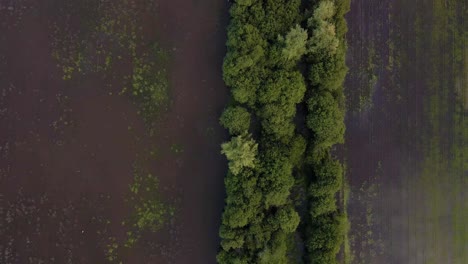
column 272, row 45
column 328, row 224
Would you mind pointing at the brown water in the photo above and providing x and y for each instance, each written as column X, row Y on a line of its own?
column 195, row 32
column 406, row 140
column 67, row 148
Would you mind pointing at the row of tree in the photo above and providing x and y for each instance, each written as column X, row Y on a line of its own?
column 325, row 119
column 270, row 44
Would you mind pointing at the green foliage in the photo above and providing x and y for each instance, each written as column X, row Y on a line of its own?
column 324, row 39
column 240, row 152
column 276, row 17
column 278, row 98
column 297, row 150
column 243, row 200
column 329, row 72
column 295, row 43
column 326, row 236
column 265, row 46
column 327, row 180
column 245, row 51
column 326, row 46
column 275, row 252
column 324, row 11
column 236, row 215
column 232, row 238
column 246, row 47
column 342, row 7
column 276, row 180
column 236, row 119
column 231, row 257
column 283, row 87
column 288, row 219
column 320, row 205
column 245, row 2
column 326, row 120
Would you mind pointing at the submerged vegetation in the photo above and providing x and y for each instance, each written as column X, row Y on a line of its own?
column 282, row 55
column 149, row 83
column 118, row 52
column 110, row 45
column 148, row 214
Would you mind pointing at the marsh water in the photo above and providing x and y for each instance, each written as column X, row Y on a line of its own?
column 406, row 145
column 71, row 136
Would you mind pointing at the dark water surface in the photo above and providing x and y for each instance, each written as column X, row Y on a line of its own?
column 407, row 131
column 68, row 144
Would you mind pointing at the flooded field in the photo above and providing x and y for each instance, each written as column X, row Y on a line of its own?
column 407, row 132
column 76, row 144
column 110, row 142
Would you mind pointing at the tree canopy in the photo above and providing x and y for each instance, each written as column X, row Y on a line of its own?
column 271, row 45
column 240, row 152
column 236, row 119
column 294, row 44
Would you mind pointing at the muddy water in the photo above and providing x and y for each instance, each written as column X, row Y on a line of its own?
column 68, row 147
column 194, row 31
column 406, row 140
